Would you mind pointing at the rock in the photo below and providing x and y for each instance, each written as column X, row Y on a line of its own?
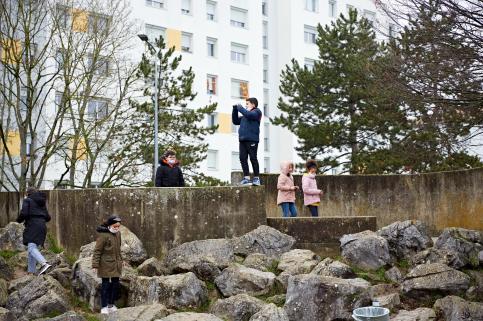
column 265, row 240
column 454, row 308
column 62, row 275
column 330, row 267
column 366, row 250
column 278, row 300
column 132, row 249
column 298, row 261
column 270, row 312
column 240, row 307
column 190, row 316
column 420, row 314
column 6, row 271
column 238, row 279
column 6, row 315
column 39, row 297
column 475, row 292
column 68, row 316
column 178, row 291
column 386, row 294
column 85, row 283
column 3, row 292
column 57, row 260
column 465, row 244
column 260, row 262
column 319, row 298
column 139, row 313
column 151, row 267
column 19, row 283
column 434, row 278
column 433, row 255
column 206, row 256
column 394, row 275
column 406, row 238
column 11, row 237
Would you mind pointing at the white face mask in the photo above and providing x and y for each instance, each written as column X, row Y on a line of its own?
column 113, row 230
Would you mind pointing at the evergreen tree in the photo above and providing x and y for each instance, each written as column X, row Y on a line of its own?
column 333, row 108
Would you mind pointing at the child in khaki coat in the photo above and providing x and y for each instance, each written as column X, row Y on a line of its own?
column 286, row 190
column 107, row 261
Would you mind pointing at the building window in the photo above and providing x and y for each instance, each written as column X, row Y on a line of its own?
column 265, row 68
column 264, row 8
column 239, row 53
column 97, row 109
column 238, row 17
column 211, row 10
column 58, row 101
column 59, row 57
column 265, row 103
column 312, row 5
column 154, row 32
column 310, row 34
column 309, row 63
column 94, row 185
column 212, row 160
column 332, row 8
column 265, row 35
column 239, row 89
column 98, row 23
column 186, row 7
column 64, row 184
column 211, row 88
column 266, row 138
column 155, row 3
column 186, row 42
column 370, row 16
column 212, row 119
column 235, row 161
column 101, row 67
column 211, row 47
column 266, row 165
column 23, row 102
column 392, row 31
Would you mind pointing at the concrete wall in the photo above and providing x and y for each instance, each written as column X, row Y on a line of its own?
column 439, row 199
column 160, row 217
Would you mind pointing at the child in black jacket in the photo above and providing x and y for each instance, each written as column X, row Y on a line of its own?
column 169, row 173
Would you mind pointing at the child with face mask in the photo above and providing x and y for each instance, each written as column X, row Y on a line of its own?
column 107, row 261
column 169, row 173
column 286, row 190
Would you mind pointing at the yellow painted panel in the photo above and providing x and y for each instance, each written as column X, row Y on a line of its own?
column 79, row 20
column 11, row 51
column 13, row 143
column 81, row 153
column 174, row 38
column 224, row 122
column 244, row 89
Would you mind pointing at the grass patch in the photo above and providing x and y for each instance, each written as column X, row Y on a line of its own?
column 403, row 264
column 8, row 254
column 274, row 268
column 276, row 290
column 53, row 314
column 204, row 308
column 377, row 276
column 91, row 317
column 54, row 246
column 210, row 286
column 71, row 258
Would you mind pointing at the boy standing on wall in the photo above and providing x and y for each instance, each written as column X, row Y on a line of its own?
column 249, row 137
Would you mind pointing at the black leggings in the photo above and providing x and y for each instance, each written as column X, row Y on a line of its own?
column 109, row 291
column 314, row 210
column 249, row 149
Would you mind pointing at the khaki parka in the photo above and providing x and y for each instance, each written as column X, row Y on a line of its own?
column 107, row 254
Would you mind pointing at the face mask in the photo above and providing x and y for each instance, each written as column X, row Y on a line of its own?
column 171, row 161
column 113, row 230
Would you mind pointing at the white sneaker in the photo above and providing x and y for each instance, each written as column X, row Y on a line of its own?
column 105, row 310
column 44, row 268
column 112, row 309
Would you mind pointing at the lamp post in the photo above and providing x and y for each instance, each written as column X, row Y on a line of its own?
column 156, row 80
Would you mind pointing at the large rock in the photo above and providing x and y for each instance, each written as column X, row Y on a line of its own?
column 3, row 292
column 336, row 269
column 260, row 262
column 6, row 271
column 420, row 314
column 132, row 249
column 394, row 275
column 318, row 298
column 68, row 316
column 240, row 307
column 434, row 278
column 190, row 316
column 41, row 296
column 139, row 313
column 63, row 275
column 264, row 239
column 296, row 262
column 238, row 279
column 465, row 245
column 406, row 238
column 270, row 312
column 11, row 237
column 85, row 283
column 453, row 308
column 178, row 291
column 19, row 283
column 205, row 258
column 6, row 315
column 366, row 250
column 386, row 294
column 151, row 267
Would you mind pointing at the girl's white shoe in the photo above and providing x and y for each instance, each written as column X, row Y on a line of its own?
column 112, row 309
column 105, row 310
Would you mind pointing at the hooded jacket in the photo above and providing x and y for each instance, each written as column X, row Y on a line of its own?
column 309, row 187
column 34, row 215
column 285, row 185
column 249, row 130
column 107, row 257
column 168, row 175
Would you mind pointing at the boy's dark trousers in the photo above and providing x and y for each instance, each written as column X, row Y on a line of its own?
column 249, row 149
column 109, row 291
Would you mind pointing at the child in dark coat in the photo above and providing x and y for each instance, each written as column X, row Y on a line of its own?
column 169, row 173
column 107, row 261
column 34, row 215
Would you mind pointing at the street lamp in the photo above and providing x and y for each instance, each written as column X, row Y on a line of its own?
column 156, row 79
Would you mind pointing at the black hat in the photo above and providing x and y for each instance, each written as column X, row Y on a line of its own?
column 113, row 219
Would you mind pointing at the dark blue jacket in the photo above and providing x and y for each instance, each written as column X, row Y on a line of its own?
column 249, row 123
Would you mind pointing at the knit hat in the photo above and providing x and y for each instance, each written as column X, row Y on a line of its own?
column 113, row 219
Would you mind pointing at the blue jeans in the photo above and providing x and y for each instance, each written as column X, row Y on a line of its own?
column 288, row 207
column 34, row 257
